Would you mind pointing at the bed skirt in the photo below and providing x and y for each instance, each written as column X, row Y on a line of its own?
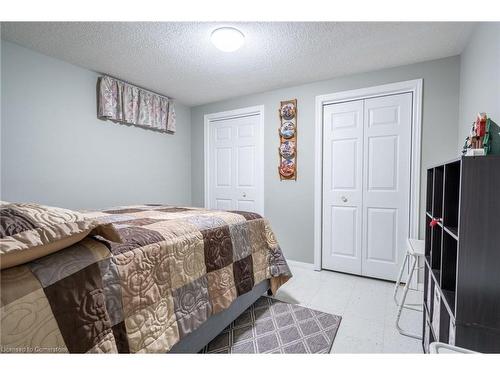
column 196, row 340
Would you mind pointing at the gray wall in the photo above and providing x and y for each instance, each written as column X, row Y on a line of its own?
column 55, row 151
column 480, row 78
column 289, row 205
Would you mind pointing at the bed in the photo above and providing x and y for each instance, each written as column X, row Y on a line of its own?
column 178, row 277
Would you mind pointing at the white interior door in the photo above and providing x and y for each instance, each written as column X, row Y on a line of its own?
column 235, row 152
column 386, row 180
column 366, row 185
column 342, row 186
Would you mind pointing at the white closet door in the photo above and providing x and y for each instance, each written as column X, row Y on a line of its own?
column 342, row 186
column 235, row 164
column 386, row 179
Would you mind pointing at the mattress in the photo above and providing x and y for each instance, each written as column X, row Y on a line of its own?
column 174, row 269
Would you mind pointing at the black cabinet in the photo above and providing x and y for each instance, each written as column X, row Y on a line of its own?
column 462, row 254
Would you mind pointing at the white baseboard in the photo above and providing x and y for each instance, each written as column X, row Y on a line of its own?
column 310, row 266
column 295, row 263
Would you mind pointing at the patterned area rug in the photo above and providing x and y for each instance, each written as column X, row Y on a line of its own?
column 272, row 326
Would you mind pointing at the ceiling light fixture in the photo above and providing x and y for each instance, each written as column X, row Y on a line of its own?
column 227, row 39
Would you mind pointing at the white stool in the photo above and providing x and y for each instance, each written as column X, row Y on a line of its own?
column 416, row 250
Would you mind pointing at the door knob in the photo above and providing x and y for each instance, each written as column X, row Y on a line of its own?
column 344, row 199
column 244, row 195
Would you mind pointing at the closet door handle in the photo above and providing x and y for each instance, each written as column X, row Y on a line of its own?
column 344, row 199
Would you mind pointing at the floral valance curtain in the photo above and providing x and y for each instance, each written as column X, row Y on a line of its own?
column 122, row 102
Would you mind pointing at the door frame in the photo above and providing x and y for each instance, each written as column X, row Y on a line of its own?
column 226, row 115
column 413, row 86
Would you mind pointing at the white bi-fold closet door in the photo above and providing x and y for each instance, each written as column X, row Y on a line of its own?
column 235, row 165
column 366, row 185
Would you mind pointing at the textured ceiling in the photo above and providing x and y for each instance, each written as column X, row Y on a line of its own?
column 178, row 60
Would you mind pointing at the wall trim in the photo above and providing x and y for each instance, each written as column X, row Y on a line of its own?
column 296, row 263
column 413, row 86
column 225, row 115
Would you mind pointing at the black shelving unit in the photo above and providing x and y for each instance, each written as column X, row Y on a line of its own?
column 462, row 254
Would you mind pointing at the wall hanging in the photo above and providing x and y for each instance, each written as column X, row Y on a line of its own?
column 287, row 131
column 128, row 104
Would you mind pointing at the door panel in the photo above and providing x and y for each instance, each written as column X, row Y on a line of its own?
column 366, row 185
column 347, row 119
column 235, row 164
column 223, row 133
column 223, row 163
column 246, row 131
column 344, row 220
column 383, row 115
column 382, row 163
column 344, row 163
column 245, row 205
column 246, row 158
column 223, row 204
column 381, row 226
column 386, row 180
column 342, row 187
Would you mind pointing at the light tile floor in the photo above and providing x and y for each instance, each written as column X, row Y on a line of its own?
column 366, row 306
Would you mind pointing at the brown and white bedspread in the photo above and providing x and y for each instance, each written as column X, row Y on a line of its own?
column 176, row 267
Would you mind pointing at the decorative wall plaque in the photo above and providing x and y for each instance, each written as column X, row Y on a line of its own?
column 287, row 131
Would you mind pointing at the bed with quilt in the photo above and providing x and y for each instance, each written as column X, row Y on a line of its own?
column 130, row 279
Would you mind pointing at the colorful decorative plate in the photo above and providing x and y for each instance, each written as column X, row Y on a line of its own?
column 287, row 168
column 287, row 130
column 288, row 111
column 287, row 149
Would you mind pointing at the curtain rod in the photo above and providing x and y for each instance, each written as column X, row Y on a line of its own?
column 142, row 88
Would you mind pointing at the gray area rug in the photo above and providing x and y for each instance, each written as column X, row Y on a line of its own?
column 272, row 326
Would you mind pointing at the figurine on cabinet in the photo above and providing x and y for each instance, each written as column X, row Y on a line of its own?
column 477, row 143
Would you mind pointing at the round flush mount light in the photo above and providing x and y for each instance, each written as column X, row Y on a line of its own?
column 227, row 39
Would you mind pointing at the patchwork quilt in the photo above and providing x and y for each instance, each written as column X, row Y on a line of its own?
column 175, row 267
